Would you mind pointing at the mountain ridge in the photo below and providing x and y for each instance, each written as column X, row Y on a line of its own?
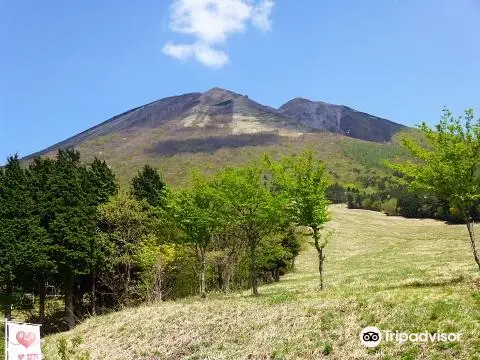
column 218, row 108
column 219, row 128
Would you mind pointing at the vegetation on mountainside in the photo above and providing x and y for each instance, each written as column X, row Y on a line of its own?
column 399, row 274
column 345, row 157
column 66, row 226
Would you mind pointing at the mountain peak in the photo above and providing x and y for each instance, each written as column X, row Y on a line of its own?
column 220, row 91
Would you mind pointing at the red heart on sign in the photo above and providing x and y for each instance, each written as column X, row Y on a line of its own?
column 21, row 356
column 25, row 339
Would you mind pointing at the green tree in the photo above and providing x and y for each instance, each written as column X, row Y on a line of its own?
column 43, row 267
column 125, row 234
column 251, row 207
column 198, row 213
column 73, row 225
column 303, row 180
column 148, row 185
column 102, row 182
column 102, row 185
column 448, row 165
column 15, row 229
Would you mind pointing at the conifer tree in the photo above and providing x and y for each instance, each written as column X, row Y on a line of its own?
column 148, row 185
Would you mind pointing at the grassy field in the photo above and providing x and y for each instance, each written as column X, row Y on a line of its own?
column 390, row 272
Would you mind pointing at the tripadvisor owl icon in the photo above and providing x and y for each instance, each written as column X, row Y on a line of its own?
column 370, row 336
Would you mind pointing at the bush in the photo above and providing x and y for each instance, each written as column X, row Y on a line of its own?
column 336, row 193
column 389, row 207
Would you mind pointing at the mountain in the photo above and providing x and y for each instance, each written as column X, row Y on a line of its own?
column 220, row 127
column 340, row 119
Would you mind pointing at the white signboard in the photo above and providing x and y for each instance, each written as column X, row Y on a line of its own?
column 23, row 342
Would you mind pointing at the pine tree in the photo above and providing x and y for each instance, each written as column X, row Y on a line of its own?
column 148, row 185
column 73, row 226
column 15, row 229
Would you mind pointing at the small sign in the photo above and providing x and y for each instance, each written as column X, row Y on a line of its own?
column 23, row 341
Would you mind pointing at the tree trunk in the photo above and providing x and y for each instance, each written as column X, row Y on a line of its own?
column 203, row 267
column 321, row 256
column 158, row 281
column 253, row 269
column 473, row 238
column 69, row 301
column 276, row 274
column 42, row 294
column 93, row 297
column 8, row 302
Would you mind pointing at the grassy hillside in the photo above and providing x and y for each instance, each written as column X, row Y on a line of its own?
column 342, row 154
column 394, row 273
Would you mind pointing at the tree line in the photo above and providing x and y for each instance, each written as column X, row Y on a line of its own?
column 69, row 225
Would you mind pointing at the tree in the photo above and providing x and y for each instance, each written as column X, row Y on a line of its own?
column 15, row 220
column 198, row 213
column 102, row 182
column 148, row 185
column 124, row 226
column 303, row 181
column 277, row 253
column 73, row 225
column 40, row 173
column 251, row 207
column 448, row 165
column 102, row 185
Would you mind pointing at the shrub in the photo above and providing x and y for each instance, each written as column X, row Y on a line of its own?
column 389, row 207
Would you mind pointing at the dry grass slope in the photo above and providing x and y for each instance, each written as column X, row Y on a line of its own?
column 395, row 273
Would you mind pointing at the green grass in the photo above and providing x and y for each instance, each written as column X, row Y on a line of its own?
column 394, row 273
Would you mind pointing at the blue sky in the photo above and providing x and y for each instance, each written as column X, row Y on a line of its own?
column 68, row 65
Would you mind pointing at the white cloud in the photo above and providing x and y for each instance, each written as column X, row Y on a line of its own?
column 261, row 15
column 204, row 53
column 211, row 22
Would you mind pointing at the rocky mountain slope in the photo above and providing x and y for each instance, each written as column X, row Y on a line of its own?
column 340, row 119
column 221, row 127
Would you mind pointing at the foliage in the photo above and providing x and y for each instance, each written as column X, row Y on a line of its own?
column 449, row 166
column 336, row 194
column 372, row 155
column 48, row 217
column 148, row 185
column 251, row 208
column 104, row 249
column 198, row 212
column 277, row 253
column 303, row 181
column 128, row 244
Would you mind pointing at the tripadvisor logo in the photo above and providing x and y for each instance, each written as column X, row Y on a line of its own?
column 371, row 336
